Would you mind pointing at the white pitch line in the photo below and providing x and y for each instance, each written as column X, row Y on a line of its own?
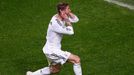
column 121, row 4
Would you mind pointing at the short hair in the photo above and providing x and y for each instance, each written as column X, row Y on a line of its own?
column 61, row 6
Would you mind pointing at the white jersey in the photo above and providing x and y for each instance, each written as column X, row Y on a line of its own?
column 55, row 32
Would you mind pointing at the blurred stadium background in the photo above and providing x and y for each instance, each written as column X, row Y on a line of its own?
column 104, row 36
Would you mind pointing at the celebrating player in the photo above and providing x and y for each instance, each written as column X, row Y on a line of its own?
column 60, row 24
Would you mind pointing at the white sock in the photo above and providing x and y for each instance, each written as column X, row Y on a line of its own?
column 77, row 69
column 43, row 71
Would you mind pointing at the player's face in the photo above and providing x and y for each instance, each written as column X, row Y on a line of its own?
column 67, row 10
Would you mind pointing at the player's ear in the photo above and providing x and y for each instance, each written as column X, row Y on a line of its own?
column 61, row 12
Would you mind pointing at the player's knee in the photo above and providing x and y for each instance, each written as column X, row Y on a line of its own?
column 74, row 59
column 77, row 59
column 55, row 71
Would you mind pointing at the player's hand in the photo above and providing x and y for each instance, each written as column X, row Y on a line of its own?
column 64, row 16
column 71, row 15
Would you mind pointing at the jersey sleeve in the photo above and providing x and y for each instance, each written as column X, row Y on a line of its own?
column 74, row 20
column 59, row 28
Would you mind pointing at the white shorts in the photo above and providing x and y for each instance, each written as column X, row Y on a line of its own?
column 57, row 57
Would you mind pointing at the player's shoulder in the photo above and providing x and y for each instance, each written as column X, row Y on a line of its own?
column 54, row 17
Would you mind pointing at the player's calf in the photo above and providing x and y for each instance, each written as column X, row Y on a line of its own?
column 77, row 66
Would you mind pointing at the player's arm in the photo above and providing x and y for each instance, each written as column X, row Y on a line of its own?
column 59, row 28
column 73, row 18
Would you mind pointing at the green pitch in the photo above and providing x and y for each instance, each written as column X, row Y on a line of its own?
column 104, row 37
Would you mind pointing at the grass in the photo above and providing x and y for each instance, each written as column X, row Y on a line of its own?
column 103, row 37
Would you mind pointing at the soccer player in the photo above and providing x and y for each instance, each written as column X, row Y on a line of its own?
column 60, row 24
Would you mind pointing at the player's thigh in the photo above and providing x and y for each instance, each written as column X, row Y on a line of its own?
column 74, row 58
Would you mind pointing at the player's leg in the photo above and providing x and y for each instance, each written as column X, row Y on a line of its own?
column 74, row 59
column 77, row 66
column 55, row 68
column 54, row 63
column 55, row 60
column 43, row 71
column 58, row 58
column 52, row 69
